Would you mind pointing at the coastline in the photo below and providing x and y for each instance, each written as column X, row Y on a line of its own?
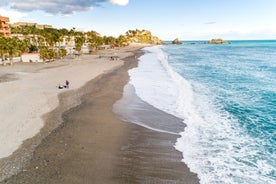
column 92, row 144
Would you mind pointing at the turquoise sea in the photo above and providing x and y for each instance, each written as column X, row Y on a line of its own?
column 226, row 95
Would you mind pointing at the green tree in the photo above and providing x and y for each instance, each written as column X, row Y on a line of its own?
column 94, row 40
column 14, row 46
column 52, row 54
column 110, row 40
column 72, row 31
column 33, row 48
column 79, row 41
column 121, row 40
column 3, row 49
column 43, row 53
column 41, row 41
column 62, row 52
column 52, row 36
column 47, row 54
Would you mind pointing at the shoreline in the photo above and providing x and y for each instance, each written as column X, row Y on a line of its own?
column 93, row 145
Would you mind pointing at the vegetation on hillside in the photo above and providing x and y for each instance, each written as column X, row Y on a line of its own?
column 10, row 47
column 142, row 36
column 49, row 41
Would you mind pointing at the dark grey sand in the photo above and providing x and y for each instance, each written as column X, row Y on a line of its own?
column 93, row 146
column 133, row 109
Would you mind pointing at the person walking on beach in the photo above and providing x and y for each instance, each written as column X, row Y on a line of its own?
column 67, row 84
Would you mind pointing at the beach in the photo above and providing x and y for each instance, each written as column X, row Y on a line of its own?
column 72, row 135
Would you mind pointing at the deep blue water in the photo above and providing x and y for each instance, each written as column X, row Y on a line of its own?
column 241, row 75
column 226, row 95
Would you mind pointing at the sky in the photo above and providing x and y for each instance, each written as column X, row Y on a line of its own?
column 167, row 19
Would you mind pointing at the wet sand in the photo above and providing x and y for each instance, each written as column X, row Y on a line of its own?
column 93, row 146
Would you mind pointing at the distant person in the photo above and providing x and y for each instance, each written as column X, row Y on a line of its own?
column 60, row 86
column 67, row 84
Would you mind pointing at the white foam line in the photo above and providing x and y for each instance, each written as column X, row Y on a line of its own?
column 154, row 129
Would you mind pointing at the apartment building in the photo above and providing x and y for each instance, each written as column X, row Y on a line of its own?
column 5, row 26
column 38, row 26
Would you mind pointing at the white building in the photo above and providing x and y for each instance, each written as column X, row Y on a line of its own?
column 31, row 57
column 104, row 47
column 85, row 49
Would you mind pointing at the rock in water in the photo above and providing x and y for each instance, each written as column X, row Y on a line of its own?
column 176, row 41
column 218, row 41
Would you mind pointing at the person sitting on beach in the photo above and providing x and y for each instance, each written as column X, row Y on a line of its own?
column 67, row 84
column 60, row 86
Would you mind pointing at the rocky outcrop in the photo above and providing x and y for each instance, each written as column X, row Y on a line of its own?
column 156, row 40
column 218, row 41
column 142, row 36
column 176, row 41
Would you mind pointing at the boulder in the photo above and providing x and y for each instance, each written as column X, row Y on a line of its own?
column 176, row 41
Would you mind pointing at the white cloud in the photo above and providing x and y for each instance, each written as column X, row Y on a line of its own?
column 48, row 15
column 213, row 22
column 64, row 7
column 119, row 2
column 14, row 15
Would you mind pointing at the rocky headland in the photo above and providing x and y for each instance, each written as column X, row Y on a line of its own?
column 142, row 36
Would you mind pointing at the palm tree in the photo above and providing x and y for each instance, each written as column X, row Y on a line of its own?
column 41, row 41
column 11, row 48
column 14, row 46
column 3, row 49
column 79, row 41
column 43, row 53
column 47, row 54
column 121, row 40
column 62, row 52
column 94, row 40
column 110, row 40
column 72, row 31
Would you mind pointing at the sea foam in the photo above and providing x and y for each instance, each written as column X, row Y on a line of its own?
column 213, row 144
